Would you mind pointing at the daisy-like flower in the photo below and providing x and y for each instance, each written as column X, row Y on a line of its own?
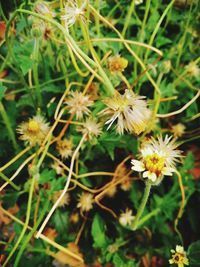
column 65, row 148
column 65, row 199
column 72, row 12
column 117, row 64
column 91, row 128
column 126, row 218
column 158, row 158
column 130, row 112
column 34, row 130
column 78, row 104
column 179, row 257
column 85, row 202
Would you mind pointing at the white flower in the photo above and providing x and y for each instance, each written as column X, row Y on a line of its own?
column 130, row 112
column 73, row 12
column 44, row 9
column 34, row 131
column 78, row 104
column 158, row 158
column 85, row 202
column 193, row 69
column 179, row 257
column 126, row 218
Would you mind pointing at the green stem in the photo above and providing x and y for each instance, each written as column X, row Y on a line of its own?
column 148, row 216
column 70, row 41
column 128, row 17
column 35, row 71
column 142, row 206
column 28, row 212
column 8, row 126
column 5, row 178
column 29, row 236
column 158, row 27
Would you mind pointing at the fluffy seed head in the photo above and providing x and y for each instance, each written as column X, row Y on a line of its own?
column 65, row 148
column 85, row 202
column 78, row 104
column 129, row 111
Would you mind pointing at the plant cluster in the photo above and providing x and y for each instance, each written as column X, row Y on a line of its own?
column 99, row 136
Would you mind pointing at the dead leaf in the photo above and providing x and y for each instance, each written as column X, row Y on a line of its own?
column 51, row 233
column 63, row 258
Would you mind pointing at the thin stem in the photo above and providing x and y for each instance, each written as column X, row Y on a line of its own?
column 8, row 126
column 28, row 212
column 65, row 188
column 128, row 17
column 29, row 236
column 142, row 206
column 5, row 178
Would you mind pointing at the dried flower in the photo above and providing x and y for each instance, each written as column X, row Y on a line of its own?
column 65, row 148
column 72, row 12
column 78, row 104
column 193, row 69
column 85, row 202
column 91, row 128
column 117, row 64
column 179, row 257
column 34, row 131
column 129, row 110
column 158, row 158
column 44, row 9
column 178, row 129
column 126, row 218
column 65, row 199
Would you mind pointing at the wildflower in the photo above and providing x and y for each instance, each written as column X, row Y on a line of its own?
column 78, row 104
column 179, row 257
column 158, row 158
column 65, row 148
column 34, row 131
column 130, row 112
column 85, row 202
column 126, row 218
column 91, row 128
column 44, row 9
column 178, row 129
column 65, row 199
column 193, row 69
column 72, row 12
column 117, row 64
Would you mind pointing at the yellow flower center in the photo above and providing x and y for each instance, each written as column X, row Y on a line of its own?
column 33, row 126
column 178, row 258
column 154, row 163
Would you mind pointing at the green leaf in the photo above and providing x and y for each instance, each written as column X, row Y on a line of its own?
column 98, row 232
column 194, row 254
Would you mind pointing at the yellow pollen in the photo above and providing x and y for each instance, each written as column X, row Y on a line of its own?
column 154, row 163
column 33, row 126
